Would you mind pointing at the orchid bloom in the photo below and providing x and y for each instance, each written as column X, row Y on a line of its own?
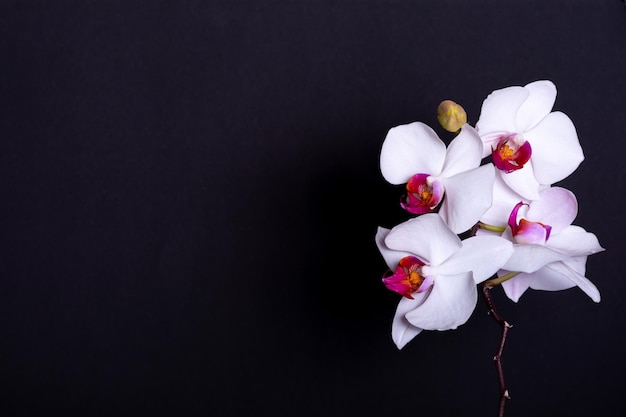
column 436, row 272
column 414, row 155
column 530, row 144
column 549, row 253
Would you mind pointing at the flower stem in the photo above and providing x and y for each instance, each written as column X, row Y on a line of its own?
column 499, row 280
column 504, row 392
column 490, row 227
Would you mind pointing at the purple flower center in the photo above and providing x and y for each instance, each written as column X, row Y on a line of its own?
column 511, row 152
column 422, row 195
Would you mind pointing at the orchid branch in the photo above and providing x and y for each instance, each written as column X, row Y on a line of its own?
column 504, row 392
column 468, row 192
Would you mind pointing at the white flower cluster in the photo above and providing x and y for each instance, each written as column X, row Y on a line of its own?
column 495, row 181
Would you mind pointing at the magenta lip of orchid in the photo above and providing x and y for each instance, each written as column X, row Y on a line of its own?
column 511, row 152
column 408, row 278
column 527, row 232
column 422, row 195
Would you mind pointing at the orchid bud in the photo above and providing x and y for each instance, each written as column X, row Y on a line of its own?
column 451, row 116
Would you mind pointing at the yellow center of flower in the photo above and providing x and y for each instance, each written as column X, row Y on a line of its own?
column 506, row 151
column 414, row 279
column 425, row 194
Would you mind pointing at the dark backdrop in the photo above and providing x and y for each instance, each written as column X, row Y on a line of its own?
column 190, row 192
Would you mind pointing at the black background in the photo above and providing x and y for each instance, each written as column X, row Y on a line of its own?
column 190, row 192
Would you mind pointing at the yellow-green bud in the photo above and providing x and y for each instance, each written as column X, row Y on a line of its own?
column 451, row 116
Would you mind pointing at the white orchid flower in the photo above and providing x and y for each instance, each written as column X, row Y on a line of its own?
column 414, row 155
column 549, row 252
column 436, row 272
column 530, row 144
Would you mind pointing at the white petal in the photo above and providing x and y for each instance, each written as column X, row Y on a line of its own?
column 577, row 263
column 546, row 279
column 502, row 192
column 391, row 257
column 426, row 236
column 451, row 302
column 575, row 241
column 537, row 106
column 499, row 110
column 556, row 207
column 411, row 149
column 464, row 152
column 516, row 286
column 556, row 151
column 402, row 332
column 483, row 255
column 523, row 181
column 578, row 279
column 468, row 196
column 530, row 258
column 497, row 214
column 504, row 200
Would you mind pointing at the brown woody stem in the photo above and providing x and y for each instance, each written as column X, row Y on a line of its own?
column 504, row 392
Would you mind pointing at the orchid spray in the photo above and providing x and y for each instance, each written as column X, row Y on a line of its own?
column 485, row 212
